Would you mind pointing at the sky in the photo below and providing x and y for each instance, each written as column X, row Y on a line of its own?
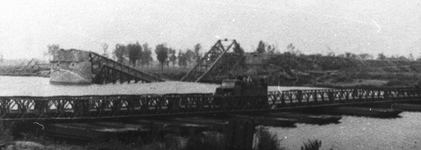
column 391, row 27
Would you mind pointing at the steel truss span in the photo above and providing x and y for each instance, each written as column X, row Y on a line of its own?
column 126, row 106
column 106, row 70
column 213, row 61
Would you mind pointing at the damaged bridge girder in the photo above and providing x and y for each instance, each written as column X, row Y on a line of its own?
column 214, row 62
column 106, row 70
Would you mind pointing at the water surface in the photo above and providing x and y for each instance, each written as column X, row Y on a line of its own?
column 352, row 133
column 358, row 133
column 39, row 86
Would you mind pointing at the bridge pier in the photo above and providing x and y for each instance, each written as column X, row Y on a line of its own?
column 174, row 104
column 41, row 106
column 299, row 96
column 330, row 96
column 77, row 66
column 81, row 107
column 354, row 93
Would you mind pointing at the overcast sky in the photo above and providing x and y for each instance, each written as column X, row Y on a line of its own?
column 313, row 26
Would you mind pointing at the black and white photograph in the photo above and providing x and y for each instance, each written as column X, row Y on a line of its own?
column 210, row 75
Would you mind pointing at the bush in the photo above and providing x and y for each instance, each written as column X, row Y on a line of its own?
column 266, row 140
column 5, row 136
column 312, row 145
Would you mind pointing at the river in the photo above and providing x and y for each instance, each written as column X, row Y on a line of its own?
column 39, row 86
column 358, row 133
column 352, row 133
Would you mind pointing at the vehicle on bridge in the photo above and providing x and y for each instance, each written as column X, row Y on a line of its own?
column 243, row 90
column 242, row 87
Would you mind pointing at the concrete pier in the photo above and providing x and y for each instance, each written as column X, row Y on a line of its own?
column 71, row 67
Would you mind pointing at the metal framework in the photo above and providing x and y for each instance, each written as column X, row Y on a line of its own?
column 209, row 61
column 31, row 65
column 106, row 70
column 124, row 106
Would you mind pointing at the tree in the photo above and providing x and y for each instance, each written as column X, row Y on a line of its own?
column 52, row 49
column 399, row 58
column 350, row 55
column 290, row 47
column 105, row 49
column 146, row 55
column 182, row 59
column 135, row 51
column 197, row 55
column 381, row 56
column 172, row 57
column 403, row 58
column 190, row 56
column 271, row 49
column 1, row 58
column 119, row 52
column 365, row 56
column 161, row 51
column 238, row 49
column 261, row 48
column 293, row 50
column 411, row 57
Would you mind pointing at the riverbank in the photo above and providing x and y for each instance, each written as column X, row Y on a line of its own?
column 31, row 68
column 37, row 74
column 327, row 72
column 384, row 81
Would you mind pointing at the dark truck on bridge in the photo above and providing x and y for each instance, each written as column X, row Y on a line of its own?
column 236, row 92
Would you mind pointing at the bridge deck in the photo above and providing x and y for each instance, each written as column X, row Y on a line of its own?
column 123, row 106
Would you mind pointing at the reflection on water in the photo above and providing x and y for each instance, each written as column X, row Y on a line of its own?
column 358, row 133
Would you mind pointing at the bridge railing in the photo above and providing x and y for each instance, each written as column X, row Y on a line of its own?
column 329, row 96
column 118, row 106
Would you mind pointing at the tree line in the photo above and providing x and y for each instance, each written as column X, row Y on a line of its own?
column 136, row 54
column 291, row 49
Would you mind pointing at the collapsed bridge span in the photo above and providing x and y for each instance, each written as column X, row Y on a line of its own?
column 215, row 62
column 83, row 67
